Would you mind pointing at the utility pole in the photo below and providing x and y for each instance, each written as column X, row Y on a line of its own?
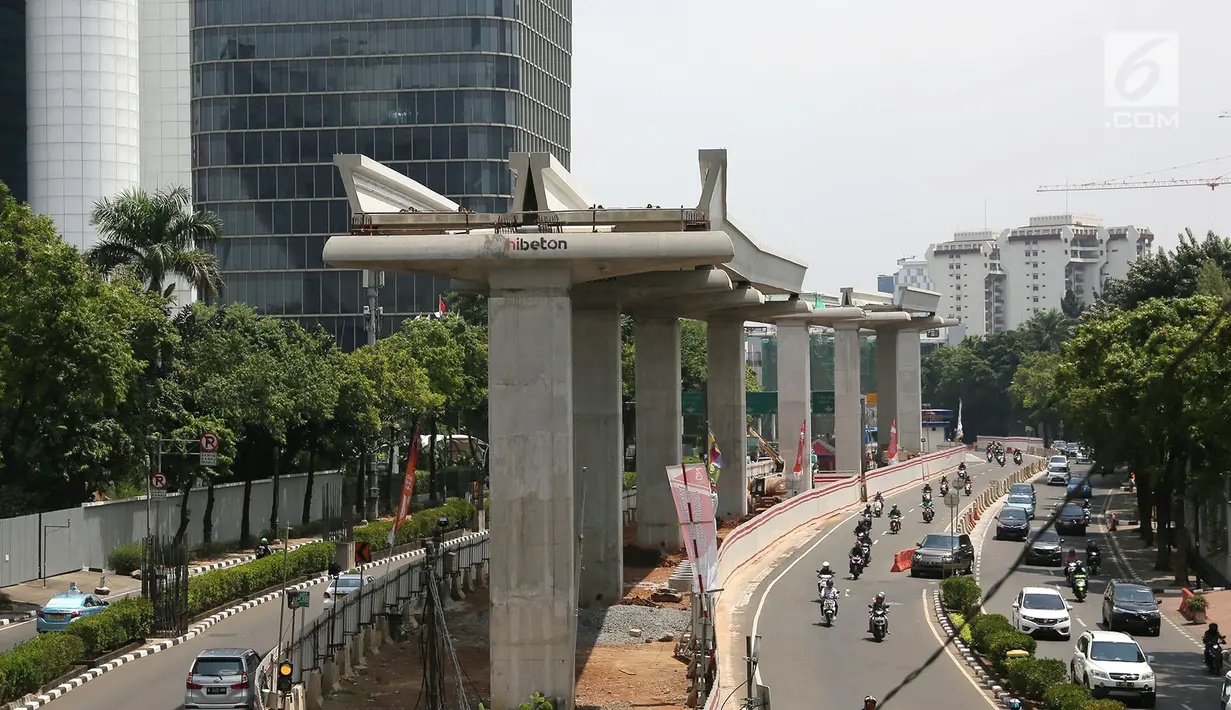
column 373, row 281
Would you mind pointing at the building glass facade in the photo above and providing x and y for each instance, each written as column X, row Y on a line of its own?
column 13, row 170
column 439, row 90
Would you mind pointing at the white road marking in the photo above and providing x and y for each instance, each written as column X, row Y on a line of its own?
column 1080, row 621
column 962, row 668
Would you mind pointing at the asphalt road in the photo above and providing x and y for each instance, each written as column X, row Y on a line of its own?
column 157, row 682
column 803, row 662
column 13, row 634
column 1182, row 679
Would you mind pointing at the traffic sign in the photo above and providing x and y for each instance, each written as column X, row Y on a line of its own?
column 300, row 599
column 158, row 485
column 952, row 499
column 209, row 443
column 209, row 458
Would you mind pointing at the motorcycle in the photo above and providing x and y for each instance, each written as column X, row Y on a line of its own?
column 867, row 552
column 880, row 624
column 928, row 514
column 944, row 489
column 877, row 507
column 968, row 488
column 1094, row 561
column 895, row 525
column 1000, row 460
column 856, row 566
column 927, row 497
column 829, row 610
column 1069, row 569
column 1017, row 458
column 1213, row 657
column 989, row 457
column 1079, row 587
column 820, row 582
column 263, row 551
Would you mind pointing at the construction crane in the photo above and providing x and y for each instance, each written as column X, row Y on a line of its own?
column 1211, row 183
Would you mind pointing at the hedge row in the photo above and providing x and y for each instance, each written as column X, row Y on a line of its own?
column 419, row 525
column 962, row 595
column 32, row 664
column 217, row 587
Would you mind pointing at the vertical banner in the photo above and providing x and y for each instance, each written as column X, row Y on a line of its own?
column 803, row 444
column 891, row 456
column 694, row 503
column 408, row 488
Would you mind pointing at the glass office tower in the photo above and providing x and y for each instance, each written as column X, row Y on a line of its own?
column 13, row 96
column 440, row 90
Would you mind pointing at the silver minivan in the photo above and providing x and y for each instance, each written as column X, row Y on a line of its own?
column 224, row 678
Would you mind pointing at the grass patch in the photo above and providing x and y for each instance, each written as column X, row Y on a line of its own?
column 959, row 622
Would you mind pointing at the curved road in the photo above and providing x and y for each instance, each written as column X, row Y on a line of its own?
column 157, row 682
column 1182, row 679
column 803, row 662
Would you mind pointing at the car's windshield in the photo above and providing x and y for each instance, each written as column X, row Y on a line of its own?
column 1020, row 500
column 218, row 666
column 1073, row 510
column 1122, row 651
column 348, row 583
column 1045, row 602
column 1058, row 459
column 1135, row 595
column 939, row 541
column 1021, row 489
column 1048, row 537
column 1012, row 514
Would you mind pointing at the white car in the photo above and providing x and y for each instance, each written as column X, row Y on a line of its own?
column 345, row 584
column 1111, row 663
column 1042, row 610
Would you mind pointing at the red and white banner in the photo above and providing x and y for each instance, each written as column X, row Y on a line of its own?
column 803, row 446
column 892, row 454
column 408, row 488
column 694, row 503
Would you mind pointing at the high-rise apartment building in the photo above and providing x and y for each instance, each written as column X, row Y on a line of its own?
column 996, row 281
column 912, row 272
column 441, row 92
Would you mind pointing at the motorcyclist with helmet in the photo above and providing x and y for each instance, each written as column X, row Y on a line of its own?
column 878, row 604
column 869, row 703
column 1094, row 556
column 1212, row 635
column 829, row 591
column 825, row 570
column 263, row 549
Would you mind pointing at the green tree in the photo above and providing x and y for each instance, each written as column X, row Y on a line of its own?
column 153, row 237
column 1033, row 389
column 1048, row 330
column 1070, row 305
column 68, row 368
column 1169, row 274
column 1211, row 281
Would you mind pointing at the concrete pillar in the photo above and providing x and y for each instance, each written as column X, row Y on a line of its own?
column 727, row 408
column 533, row 543
column 909, row 396
column 848, row 429
column 795, row 400
column 598, row 443
column 886, row 387
column 659, row 435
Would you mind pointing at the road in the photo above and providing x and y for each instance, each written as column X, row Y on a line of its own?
column 1182, row 679
column 803, row 662
column 157, row 682
column 13, row 634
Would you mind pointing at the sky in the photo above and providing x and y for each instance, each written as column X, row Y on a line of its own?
column 861, row 132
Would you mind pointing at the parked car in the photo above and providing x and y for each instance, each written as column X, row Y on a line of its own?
column 1111, row 663
column 1045, row 548
column 1072, row 518
column 63, row 609
column 1024, row 489
column 1042, row 610
column 223, row 678
column 1012, row 523
column 1021, row 502
column 1079, row 488
column 345, row 584
column 1131, row 605
column 943, row 553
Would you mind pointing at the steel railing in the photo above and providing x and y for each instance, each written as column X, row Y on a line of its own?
column 388, row 596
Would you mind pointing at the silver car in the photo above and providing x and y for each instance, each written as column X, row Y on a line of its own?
column 345, row 584
column 224, row 678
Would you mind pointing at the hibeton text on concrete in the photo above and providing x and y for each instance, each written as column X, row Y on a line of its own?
column 540, row 244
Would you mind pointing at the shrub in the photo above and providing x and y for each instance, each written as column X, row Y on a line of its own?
column 1031, row 677
column 1198, row 602
column 32, row 664
column 419, row 525
column 630, row 480
column 984, row 626
column 1105, row 704
column 124, row 621
column 1066, row 696
column 126, row 558
column 1001, row 642
column 961, row 594
column 217, row 587
column 959, row 623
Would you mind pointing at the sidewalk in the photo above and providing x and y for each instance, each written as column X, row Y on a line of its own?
column 28, row 597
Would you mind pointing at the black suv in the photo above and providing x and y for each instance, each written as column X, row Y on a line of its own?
column 1129, row 604
column 1072, row 519
column 943, row 554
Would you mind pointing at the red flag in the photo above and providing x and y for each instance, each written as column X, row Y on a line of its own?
column 441, row 308
column 408, row 487
column 892, row 454
column 803, row 443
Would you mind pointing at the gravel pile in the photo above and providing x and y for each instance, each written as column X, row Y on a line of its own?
column 610, row 626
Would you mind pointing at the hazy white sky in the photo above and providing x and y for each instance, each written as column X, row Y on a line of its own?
column 860, row 132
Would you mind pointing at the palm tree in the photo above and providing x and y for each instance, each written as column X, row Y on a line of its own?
column 1049, row 329
column 154, row 236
